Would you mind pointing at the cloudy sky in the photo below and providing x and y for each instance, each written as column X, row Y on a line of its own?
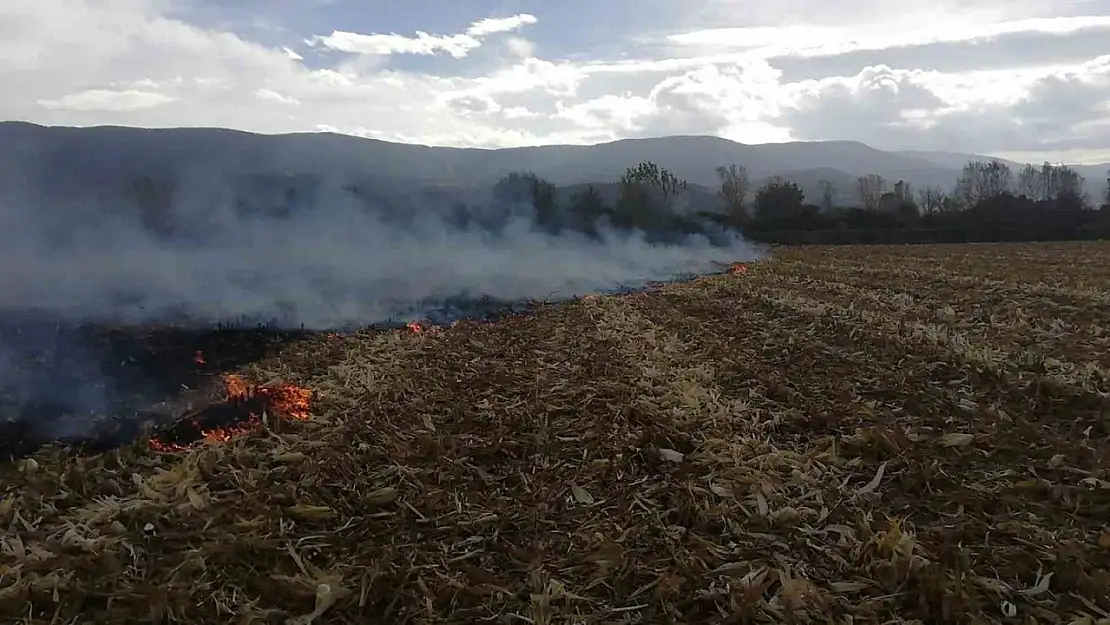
column 1019, row 78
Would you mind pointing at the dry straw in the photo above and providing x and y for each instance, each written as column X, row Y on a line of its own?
column 850, row 435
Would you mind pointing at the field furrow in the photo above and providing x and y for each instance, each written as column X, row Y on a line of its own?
column 832, row 435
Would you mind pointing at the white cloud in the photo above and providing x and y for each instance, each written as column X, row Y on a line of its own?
column 492, row 25
column 519, row 112
column 811, row 40
column 107, row 100
column 1049, row 109
column 125, row 61
column 268, row 94
column 556, row 79
column 457, row 45
column 520, row 47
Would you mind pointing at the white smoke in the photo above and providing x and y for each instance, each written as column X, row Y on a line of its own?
column 334, row 264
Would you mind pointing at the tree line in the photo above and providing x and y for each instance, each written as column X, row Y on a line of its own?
column 988, row 202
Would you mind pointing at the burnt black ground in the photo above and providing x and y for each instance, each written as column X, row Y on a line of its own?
column 97, row 387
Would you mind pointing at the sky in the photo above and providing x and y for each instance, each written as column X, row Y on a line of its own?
column 1021, row 79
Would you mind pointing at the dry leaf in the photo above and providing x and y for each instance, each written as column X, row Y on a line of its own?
column 7, row 504
column 28, row 466
column 325, row 598
column 195, row 498
column 875, row 481
column 994, row 585
column 381, row 496
column 1104, row 540
column 581, row 495
column 956, row 439
column 761, row 504
column 671, row 455
column 721, row 491
column 787, row 516
column 1040, row 588
column 292, row 457
column 305, row 511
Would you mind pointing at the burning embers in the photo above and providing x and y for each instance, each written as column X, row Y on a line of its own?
column 417, row 327
column 242, row 410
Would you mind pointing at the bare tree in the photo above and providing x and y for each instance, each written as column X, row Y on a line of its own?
column 981, row 180
column 1106, row 198
column 1029, row 182
column 903, row 190
column 1057, row 180
column 871, row 187
column 826, row 195
column 931, row 199
column 734, row 188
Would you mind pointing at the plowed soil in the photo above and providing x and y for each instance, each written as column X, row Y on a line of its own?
column 853, row 434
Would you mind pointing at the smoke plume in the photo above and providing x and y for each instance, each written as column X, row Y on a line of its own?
column 203, row 256
column 332, row 264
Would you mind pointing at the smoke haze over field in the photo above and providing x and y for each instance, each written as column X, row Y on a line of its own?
column 329, row 263
column 332, row 264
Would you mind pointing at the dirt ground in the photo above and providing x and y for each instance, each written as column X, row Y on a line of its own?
column 846, row 435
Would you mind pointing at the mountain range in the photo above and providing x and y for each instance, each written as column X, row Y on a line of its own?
column 48, row 156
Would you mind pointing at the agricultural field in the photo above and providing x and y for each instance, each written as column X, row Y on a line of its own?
column 853, row 434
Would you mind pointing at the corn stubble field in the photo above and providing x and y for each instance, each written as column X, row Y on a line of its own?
column 880, row 434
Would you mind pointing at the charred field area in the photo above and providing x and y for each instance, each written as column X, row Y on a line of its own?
column 95, row 386
column 850, row 434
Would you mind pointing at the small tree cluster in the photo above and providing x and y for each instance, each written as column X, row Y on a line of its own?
column 734, row 191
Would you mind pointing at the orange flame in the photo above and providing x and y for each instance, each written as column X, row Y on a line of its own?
column 292, row 402
column 739, row 269
column 416, row 327
column 287, row 400
column 237, row 388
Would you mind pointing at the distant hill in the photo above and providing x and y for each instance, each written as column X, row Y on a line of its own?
column 84, row 158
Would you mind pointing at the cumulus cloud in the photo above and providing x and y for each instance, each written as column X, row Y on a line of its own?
column 520, row 47
column 457, row 45
column 268, row 94
column 1006, row 51
column 1038, row 109
column 1005, row 76
column 107, row 100
column 491, row 25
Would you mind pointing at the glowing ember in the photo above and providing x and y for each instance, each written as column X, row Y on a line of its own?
column 739, row 269
column 198, row 358
column 418, row 327
column 237, row 388
column 292, row 402
column 241, row 412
